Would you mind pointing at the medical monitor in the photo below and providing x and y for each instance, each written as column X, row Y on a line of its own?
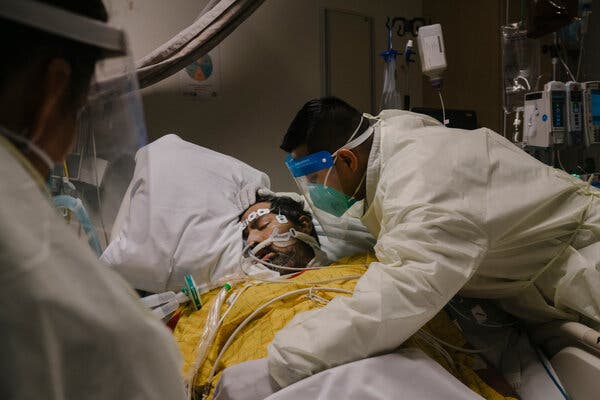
column 595, row 107
column 591, row 111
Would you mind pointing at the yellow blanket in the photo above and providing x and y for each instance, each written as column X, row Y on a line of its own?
column 251, row 342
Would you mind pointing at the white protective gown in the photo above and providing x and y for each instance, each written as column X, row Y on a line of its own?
column 453, row 210
column 70, row 328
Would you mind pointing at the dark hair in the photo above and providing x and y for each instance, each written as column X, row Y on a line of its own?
column 289, row 207
column 322, row 124
column 21, row 43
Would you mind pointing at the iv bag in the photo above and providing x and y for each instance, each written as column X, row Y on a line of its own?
column 390, row 98
column 520, row 66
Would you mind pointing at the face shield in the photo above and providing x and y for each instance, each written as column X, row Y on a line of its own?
column 319, row 182
column 110, row 130
column 89, row 186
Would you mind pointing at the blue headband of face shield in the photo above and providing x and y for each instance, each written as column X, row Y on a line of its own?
column 322, row 196
column 309, row 164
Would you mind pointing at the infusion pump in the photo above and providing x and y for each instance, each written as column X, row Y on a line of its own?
column 574, row 114
column 545, row 116
column 591, row 112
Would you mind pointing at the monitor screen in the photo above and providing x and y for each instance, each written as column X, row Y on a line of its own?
column 595, row 107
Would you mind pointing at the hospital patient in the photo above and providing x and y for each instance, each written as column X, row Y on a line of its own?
column 281, row 213
column 239, row 320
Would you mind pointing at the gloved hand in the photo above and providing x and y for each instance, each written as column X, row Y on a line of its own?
column 247, row 195
column 264, row 191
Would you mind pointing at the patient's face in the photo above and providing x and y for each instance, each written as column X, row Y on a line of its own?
column 296, row 254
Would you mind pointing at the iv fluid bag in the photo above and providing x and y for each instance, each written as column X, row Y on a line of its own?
column 520, row 66
column 390, row 98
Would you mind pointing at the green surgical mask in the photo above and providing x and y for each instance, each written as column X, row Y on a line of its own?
column 330, row 200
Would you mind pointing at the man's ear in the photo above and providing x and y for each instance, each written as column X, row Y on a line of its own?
column 305, row 224
column 55, row 85
column 349, row 158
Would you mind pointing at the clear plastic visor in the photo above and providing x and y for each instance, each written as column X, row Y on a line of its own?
column 98, row 170
column 322, row 188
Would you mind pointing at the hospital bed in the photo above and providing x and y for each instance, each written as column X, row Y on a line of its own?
column 184, row 239
column 574, row 352
column 557, row 360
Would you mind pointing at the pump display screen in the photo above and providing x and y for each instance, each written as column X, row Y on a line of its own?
column 595, row 107
column 558, row 109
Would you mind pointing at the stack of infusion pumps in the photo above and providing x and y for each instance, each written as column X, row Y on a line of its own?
column 563, row 115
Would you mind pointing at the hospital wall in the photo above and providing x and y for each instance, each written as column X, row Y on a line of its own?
column 269, row 67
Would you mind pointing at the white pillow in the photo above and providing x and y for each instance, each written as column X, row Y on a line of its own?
column 180, row 215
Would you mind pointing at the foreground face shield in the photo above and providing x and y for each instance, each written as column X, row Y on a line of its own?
column 98, row 171
column 94, row 179
column 319, row 182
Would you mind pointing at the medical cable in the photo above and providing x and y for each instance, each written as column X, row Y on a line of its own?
column 544, row 362
column 268, row 264
column 255, row 313
column 232, row 279
column 257, row 277
column 298, row 236
column 66, row 177
column 210, row 328
column 233, row 299
column 443, row 108
column 579, row 59
column 288, row 281
column 279, row 238
column 436, row 346
column 559, row 160
column 581, row 49
column 284, row 240
column 484, row 324
column 567, row 68
column 310, row 283
column 457, row 348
